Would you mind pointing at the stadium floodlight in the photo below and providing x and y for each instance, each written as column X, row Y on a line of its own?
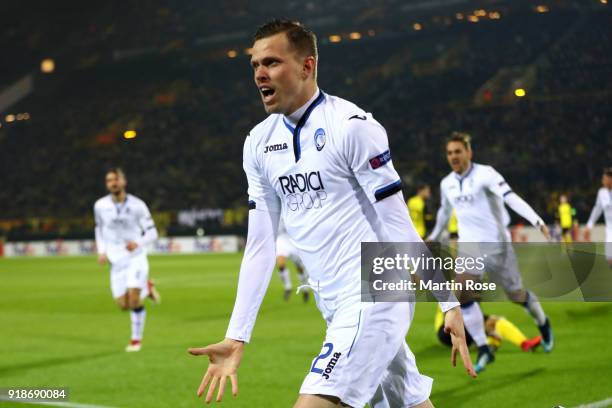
column 520, row 92
column 47, row 66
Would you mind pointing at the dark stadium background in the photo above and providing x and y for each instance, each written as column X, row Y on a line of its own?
column 177, row 73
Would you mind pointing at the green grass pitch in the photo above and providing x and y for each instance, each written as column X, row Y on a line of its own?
column 60, row 327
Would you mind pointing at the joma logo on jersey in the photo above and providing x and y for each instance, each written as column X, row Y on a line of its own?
column 303, row 191
column 331, row 365
column 276, row 147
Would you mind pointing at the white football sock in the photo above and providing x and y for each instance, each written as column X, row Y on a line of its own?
column 533, row 306
column 284, row 274
column 138, row 322
column 474, row 322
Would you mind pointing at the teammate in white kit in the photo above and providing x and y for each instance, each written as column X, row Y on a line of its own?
column 324, row 164
column 478, row 194
column 124, row 227
column 603, row 203
column 286, row 250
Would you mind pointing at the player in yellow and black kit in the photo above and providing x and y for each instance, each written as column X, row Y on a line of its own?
column 416, row 206
column 565, row 214
column 453, row 228
column 497, row 328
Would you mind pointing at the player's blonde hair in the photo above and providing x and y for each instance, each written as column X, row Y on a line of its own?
column 462, row 137
column 118, row 171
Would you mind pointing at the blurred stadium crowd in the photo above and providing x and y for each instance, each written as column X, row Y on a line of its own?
column 531, row 82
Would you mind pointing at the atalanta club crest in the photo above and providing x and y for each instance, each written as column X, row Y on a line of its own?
column 319, row 138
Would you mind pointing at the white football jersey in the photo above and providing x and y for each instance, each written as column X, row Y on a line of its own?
column 603, row 204
column 118, row 223
column 478, row 200
column 323, row 174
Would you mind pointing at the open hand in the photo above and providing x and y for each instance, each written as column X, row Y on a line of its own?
column 224, row 361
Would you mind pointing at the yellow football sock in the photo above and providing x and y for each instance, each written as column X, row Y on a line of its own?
column 508, row 331
column 438, row 320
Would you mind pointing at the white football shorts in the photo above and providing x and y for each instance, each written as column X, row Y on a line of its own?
column 500, row 263
column 132, row 272
column 365, row 357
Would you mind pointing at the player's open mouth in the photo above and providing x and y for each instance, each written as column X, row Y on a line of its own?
column 267, row 93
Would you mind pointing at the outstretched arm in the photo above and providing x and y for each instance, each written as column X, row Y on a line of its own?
column 519, row 206
column 255, row 273
column 497, row 185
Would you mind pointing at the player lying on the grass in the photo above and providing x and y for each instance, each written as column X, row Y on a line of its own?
column 286, row 250
column 479, row 194
column 603, row 203
column 497, row 328
column 124, row 227
column 324, row 163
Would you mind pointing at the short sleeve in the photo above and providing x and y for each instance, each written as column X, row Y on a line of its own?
column 262, row 195
column 496, row 184
column 366, row 149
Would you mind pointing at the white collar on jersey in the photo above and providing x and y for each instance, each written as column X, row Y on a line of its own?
column 463, row 175
column 295, row 116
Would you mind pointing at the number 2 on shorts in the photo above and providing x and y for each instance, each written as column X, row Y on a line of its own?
column 324, row 354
